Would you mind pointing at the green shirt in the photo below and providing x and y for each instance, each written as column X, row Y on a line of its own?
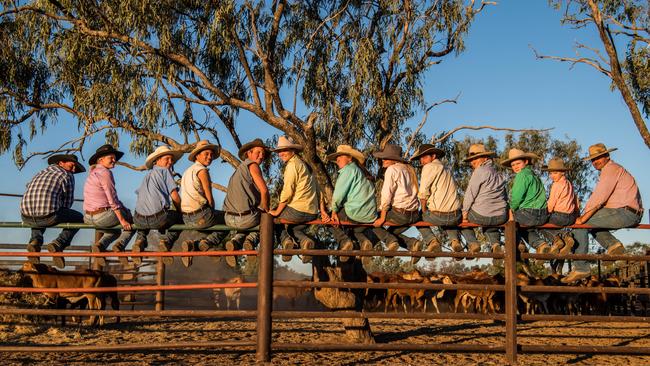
column 527, row 191
column 354, row 192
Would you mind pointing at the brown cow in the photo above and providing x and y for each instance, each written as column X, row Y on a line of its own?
column 232, row 294
column 482, row 299
column 291, row 294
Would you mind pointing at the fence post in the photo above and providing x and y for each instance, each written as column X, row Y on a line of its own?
column 160, row 280
column 265, row 289
column 510, row 263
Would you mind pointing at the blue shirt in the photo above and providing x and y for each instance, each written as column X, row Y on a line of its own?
column 354, row 192
column 154, row 194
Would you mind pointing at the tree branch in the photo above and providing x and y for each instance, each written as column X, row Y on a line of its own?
column 484, row 127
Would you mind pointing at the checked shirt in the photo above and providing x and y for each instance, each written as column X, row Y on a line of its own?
column 51, row 189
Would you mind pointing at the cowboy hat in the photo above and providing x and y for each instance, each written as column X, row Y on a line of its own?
column 390, row 152
column 249, row 145
column 516, row 154
column 54, row 159
column 203, row 145
column 103, row 151
column 598, row 150
column 347, row 150
column 427, row 149
column 287, row 143
column 555, row 165
column 162, row 151
column 478, row 151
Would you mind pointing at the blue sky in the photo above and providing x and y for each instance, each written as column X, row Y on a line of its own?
column 501, row 84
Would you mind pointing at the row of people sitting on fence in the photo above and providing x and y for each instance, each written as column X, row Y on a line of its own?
column 615, row 202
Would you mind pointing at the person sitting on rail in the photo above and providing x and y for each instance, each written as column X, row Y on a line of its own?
column 527, row 200
column 353, row 200
column 399, row 201
column 615, row 203
column 485, row 201
column 439, row 198
column 197, row 202
column 299, row 198
column 48, row 201
column 563, row 207
column 102, row 207
column 158, row 203
column 246, row 197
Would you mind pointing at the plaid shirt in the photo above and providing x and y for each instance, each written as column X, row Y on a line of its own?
column 51, row 189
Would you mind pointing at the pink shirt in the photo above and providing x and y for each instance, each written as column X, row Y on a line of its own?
column 562, row 198
column 99, row 190
column 616, row 188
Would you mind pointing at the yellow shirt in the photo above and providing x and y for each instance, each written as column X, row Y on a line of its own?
column 299, row 191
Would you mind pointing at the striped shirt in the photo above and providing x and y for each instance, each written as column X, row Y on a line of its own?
column 51, row 189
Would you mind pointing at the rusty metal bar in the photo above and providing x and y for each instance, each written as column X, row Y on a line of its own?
column 160, row 281
column 196, row 286
column 591, row 290
column 392, row 285
column 216, row 253
column 612, row 350
column 510, row 264
column 136, row 313
column 382, row 315
column 593, row 257
column 385, row 347
column 385, row 253
column 586, row 318
column 265, row 290
column 143, row 347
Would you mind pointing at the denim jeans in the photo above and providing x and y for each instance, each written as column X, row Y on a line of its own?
column 244, row 222
column 559, row 219
column 297, row 232
column 161, row 222
column 493, row 234
column 342, row 233
column 39, row 224
column 530, row 217
column 394, row 233
column 105, row 220
column 604, row 219
column 447, row 221
column 204, row 218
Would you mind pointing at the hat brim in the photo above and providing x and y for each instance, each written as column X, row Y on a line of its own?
column 360, row 158
column 432, row 150
column 245, row 147
column 215, row 148
column 151, row 160
column 288, row 147
column 595, row 156
column 54, row 159
column 480, row 155
column 529, row 156
column 383, row 156
column 547, row 169
column 93, row 159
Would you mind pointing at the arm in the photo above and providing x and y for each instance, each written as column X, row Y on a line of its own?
column 176, row 199
column 341, row 189
column 206, row 185
column 471, row 192
column 426, row 185
column 67, row 188
column 279, row 209
column 259, row 182
column 604, row 188
column 519, row 188
column 388, row 189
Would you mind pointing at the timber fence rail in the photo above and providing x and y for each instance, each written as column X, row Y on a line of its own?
column 264, row 314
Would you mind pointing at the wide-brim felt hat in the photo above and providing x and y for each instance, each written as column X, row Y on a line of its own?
column 287, row 143
column 427, row 149
column 478, row 151
column 203, row 145
column 556, row 165
column 249, row 145
column 347, row 150
column 390, row 152
column 516, row 154
column 103, row 151
column 598, row 150
column 54, row 159
column 162, row 151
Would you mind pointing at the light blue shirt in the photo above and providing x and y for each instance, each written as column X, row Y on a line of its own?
column 354, row 192
column 154, row 194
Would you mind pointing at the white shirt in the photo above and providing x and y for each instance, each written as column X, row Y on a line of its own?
column 438, row 188
column 399, row 189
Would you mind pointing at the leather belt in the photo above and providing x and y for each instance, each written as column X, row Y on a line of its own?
column 404, row 211
column 243, row 213
column 196, row 211
column 98, row 211
column 634, row 210
column 156, row 215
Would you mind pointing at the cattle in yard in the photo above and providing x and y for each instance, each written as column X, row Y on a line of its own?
column 482, row 300
column 375, row 297
column 232, row 294
column 290, row 294
column 434, row 295
column 414, row 295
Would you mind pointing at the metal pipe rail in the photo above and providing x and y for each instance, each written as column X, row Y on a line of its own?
column 196, row 286
column 391, row 285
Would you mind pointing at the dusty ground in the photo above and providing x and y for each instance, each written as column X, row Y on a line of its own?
column 322, row 331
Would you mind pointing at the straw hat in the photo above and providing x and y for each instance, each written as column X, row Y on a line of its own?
column 478, row 151
column 162, row 151
column 555, row 165
column 249, row 145
column 427, row 149
column 287, row 143
column 347, row 150
column 54, row 159
column 203, row 145
column 103, row 151
column 390, row 152
column 516, row 154
column 598, row 150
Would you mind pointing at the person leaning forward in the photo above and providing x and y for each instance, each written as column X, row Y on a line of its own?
column 299, row 199
column 246, row 197
column 197, row 202
column 439, row 198
column 102, row 207
column 158, row 203
column 48, row 201
column 615, row 203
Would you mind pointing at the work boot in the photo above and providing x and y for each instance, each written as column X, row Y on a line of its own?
column 187, row 246
column 616, row 249
column 474, row 247
column 59, row 262
column 433, row 247
column 231, row 260
column 574, row 276
column 543, row 249
column 558, row 245
column 391, row 247
column 204, row 245
column 347, row 245
column 124, row 261
column 522, row 247
column 287, row 244
column 569, row 242
column 138, row 247
column 249, row 245
column 366, row 245
column 165, row 246
column 497, row 248
column 34, row 247
column 416, row 247
column 99, row 261
column 307, row 244
column 457, row 247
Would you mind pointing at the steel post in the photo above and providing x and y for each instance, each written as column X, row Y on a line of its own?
column 265, row 289
column 510, row 263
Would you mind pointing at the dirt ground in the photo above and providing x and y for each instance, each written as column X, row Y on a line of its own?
column 139, row 330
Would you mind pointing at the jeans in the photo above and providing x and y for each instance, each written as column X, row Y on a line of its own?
column 297, row 232
column 445, row 220
column 559, row 219
column 394, row 234
column 493, row 234
column 105, row 220
column 244, row 222
column 161, row 222
column 530, row 217
column 39, row 224
column 341, row 233
column 204, row 218
column 603, row 219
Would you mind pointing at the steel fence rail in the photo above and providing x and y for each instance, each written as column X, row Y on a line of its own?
column 198, row 286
